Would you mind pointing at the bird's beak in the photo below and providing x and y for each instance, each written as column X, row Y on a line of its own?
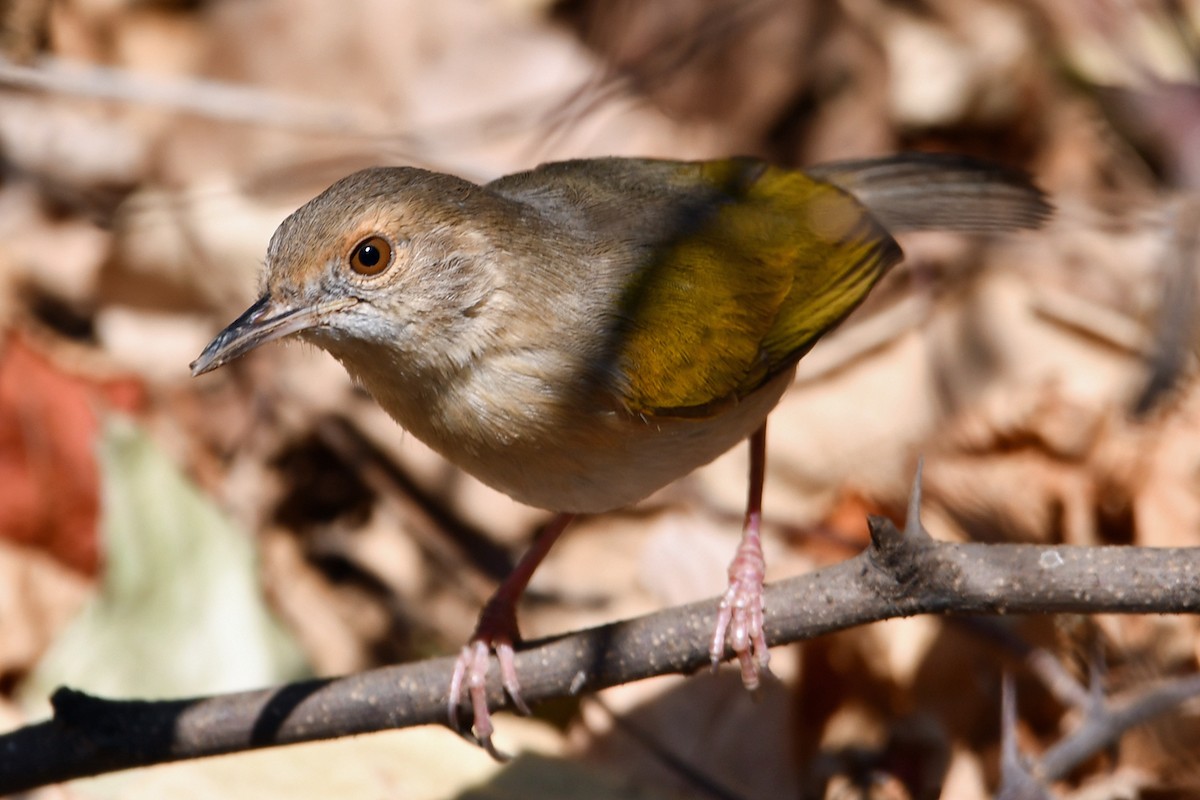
column 265, row 321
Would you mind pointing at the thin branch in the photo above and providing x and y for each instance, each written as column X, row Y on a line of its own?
column 1041, row 662
column 1103, row 719
column 1016, row 781
column 1175, row 325
column 691, row 774
column 551, row 111
column 899, row 575
column 207, row 98
column 1110, row 720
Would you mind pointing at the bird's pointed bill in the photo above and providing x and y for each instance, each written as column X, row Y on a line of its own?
column 265, row 321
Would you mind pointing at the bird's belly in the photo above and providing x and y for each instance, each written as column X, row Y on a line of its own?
column 513, row 435
column 605, row 461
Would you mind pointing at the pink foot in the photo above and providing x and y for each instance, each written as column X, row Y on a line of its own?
column 741, row 612
column 470, row 674
column 496, row 631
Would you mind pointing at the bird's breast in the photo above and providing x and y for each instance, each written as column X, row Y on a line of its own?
column 540, row 443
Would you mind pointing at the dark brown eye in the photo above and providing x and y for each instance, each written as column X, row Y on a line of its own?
column 371, row 256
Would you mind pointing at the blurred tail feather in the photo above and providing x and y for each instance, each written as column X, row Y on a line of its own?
column 926, row 191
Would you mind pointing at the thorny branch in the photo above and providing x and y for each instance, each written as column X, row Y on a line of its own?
column 901, row 574
column 1103, row 719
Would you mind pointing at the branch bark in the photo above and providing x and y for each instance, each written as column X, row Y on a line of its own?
column 899, row 575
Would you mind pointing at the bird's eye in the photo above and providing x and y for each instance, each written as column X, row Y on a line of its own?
column 371, row 256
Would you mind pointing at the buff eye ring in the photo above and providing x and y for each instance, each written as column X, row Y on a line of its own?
column 371, row 256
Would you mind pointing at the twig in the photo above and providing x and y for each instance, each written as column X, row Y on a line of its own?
column 1042, row 663
column 1016, row 781
column 899, row 575
column 1110, row 720
column 691, row 774
column 212, row 99
column 1171, row 352
column 1104, row 719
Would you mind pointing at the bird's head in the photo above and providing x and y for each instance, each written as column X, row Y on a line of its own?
column 396, row 257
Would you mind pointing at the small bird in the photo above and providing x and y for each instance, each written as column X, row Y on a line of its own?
column 579, row 335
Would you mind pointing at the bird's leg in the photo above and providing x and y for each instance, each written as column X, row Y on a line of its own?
column 741, row 612
column 497, row 631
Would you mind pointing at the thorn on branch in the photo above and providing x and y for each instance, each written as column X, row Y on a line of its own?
column 1016, row 780
column 898, row 553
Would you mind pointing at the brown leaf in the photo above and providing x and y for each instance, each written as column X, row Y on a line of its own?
column 48, row 427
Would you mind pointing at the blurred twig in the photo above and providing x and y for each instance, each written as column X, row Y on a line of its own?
column 693, row 775
column 1174, row 338
column 1038, row 660
column 1104, row 719
column 1108, row 719
column 207, row 98
column 245, row 104
column 433, row 528
column 900, row 574
column 1017, row 782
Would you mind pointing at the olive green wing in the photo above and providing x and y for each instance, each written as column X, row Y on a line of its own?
column 743, row 286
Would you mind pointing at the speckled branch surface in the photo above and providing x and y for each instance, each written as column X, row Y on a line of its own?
column 899, row 575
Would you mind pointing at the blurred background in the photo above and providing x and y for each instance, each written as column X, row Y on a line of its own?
column 162, row 536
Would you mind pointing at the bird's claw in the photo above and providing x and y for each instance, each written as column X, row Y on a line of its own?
column 741, row 615
column 470, row 676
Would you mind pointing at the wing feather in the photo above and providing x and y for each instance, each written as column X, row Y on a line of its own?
column 743, row 293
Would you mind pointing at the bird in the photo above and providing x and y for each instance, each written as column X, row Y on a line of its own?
column 583, row 333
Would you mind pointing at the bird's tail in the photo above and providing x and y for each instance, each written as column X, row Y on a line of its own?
column 924, row 191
